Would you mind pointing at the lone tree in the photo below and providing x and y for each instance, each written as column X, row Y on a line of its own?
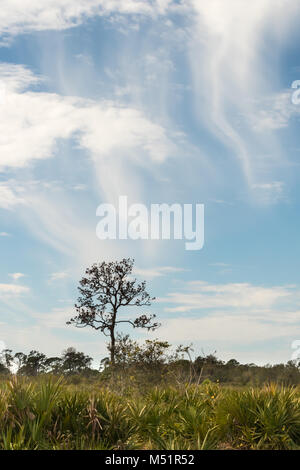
column 107, row 288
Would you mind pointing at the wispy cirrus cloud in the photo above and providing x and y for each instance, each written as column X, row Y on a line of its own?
column 239, row 42
column 19, row 16
column 32, row 126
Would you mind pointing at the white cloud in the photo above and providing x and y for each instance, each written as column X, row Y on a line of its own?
column 18, row 16
column 219, row 265
column 151, row 273
column 33, row 122
column 199, row 295
column 44, row 339
column 79, row 187
column 57, row 318
column 16, row 276
column 270, row 193
column 59, row 276
column 4, row 234
column 17, row 78
column 273, row 112
column 41, row 334
column 233, row 316
column 8, row 198
column 11, row 290
column 231, row 329
column 221, row 201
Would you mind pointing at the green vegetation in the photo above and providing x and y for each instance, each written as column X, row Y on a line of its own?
column 51, row 413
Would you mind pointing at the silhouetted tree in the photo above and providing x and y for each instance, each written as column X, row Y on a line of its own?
column 106, row 288
column 74, row 362
column 7, row 357
column 20, row 358
column 33, row 363
column 232, row 363
column 53, row 365
column 5, row 362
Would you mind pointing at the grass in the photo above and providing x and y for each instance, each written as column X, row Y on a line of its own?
column 49, row 413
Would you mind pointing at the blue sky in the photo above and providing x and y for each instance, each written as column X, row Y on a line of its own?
column 162, row 101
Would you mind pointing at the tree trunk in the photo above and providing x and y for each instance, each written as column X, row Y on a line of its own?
column 112, row 338
column 112, row 346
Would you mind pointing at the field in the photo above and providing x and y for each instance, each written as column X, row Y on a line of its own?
column 52, row 413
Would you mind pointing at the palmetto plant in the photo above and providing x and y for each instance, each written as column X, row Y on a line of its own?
column 50, row 414
column 267, row 418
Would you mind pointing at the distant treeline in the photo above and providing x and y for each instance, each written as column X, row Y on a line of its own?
column 152, row 362
column 36, row 363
